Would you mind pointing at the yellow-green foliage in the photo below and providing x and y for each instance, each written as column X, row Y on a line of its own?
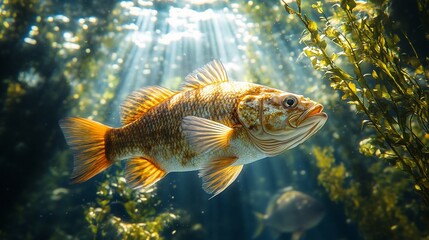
column 143, row 222
column 376, row 203
column 358, row 51
column 10, row 19
column 333, row 179
column 14, row 92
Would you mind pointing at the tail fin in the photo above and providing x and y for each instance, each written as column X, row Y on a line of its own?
column 86, row 140
column 297, row 235
column 260, row 228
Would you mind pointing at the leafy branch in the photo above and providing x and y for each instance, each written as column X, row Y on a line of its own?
column 138, row 207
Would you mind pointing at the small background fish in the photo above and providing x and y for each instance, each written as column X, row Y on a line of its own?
column 212, row 125
column 290, row 211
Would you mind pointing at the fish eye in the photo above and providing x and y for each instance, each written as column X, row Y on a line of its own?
column 290, row 102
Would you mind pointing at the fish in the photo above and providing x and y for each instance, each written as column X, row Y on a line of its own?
column 211, row 125
column 290, row 211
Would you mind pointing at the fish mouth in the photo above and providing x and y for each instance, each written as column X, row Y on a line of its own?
column 314, row 111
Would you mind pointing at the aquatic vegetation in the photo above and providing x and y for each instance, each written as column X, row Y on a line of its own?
column 11, row 20
column 357, row 49
column 375, row 202
column 141, row 220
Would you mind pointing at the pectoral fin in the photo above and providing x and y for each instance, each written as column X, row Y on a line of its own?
column 205, row 135
column 141, row 172
column 219, row 174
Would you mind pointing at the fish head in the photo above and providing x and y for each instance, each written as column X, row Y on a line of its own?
column 277, row 120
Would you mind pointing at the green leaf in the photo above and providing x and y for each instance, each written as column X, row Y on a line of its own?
column 331, row 32
column 348, row 5
column 298, row 2
column 312, row 26
column 323, row 44
column 340, row 74
column 288, row 8
column 352, row 87
column 318, row 6
column 374, row 74
column 419, row 70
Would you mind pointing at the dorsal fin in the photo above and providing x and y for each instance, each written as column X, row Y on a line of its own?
column 140, row 101
column 211, row 73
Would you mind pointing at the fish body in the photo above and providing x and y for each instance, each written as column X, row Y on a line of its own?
column 291, row 211
column 167, row 144
column 212, row 125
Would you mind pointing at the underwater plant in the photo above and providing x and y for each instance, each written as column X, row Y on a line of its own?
column 378, row 202
column 140, row 221
column 357, row 48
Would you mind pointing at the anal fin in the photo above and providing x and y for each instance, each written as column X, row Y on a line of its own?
column 219, row 174
column 141, row 172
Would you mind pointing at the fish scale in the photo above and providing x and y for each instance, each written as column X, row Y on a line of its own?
column 170, row 138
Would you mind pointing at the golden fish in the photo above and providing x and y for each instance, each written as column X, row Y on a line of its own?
column 212, row 125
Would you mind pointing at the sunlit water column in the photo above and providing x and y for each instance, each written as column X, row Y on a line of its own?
column 160, row 45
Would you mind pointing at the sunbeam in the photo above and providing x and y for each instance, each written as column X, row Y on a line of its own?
column 160, row 46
